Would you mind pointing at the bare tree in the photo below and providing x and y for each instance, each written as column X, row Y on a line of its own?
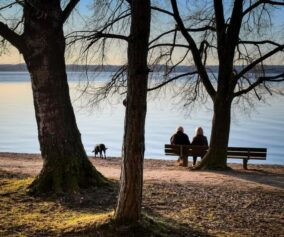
column 235, row 37
column 66, row 166
column 131, row 79
column 131, row 180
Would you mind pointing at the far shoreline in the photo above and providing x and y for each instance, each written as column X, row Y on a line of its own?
column 15, row 155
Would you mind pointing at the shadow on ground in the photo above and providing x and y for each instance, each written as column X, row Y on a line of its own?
column 88, row 213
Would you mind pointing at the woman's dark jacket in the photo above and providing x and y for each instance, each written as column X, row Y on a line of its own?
column 200, row 140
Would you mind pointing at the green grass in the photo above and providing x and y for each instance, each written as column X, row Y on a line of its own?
column 25, row 215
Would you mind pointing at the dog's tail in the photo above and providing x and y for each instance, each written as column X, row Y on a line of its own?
column 93, row 151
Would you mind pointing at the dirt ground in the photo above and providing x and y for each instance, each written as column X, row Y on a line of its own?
column 224, row 203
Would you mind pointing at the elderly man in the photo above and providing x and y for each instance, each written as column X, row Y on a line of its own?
column 180, row 138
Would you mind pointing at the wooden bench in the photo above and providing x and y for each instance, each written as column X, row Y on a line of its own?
column 244, row 153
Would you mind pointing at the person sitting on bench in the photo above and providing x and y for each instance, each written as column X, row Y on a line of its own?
column 200, row 140
column 180, row 138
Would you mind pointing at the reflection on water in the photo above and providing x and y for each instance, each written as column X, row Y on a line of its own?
column 18, row 132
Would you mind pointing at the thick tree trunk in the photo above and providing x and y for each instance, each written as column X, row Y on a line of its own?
column 216, row 157
column 131, row 181
column 66, row 166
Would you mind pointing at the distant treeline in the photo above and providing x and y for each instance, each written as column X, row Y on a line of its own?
column 113, row 68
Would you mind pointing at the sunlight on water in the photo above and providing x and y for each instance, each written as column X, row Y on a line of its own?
column 18, row 132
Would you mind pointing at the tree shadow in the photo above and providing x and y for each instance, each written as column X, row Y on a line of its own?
column 98, row 203
column 257, row 175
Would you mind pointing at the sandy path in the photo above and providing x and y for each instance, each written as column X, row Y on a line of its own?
column 258, row 176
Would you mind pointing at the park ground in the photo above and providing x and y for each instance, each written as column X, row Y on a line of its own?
column 176, row 202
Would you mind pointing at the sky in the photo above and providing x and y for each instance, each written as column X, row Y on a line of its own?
column 118, row 53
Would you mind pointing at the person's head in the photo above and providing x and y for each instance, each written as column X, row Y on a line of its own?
column 199, row 131
column 180, row 129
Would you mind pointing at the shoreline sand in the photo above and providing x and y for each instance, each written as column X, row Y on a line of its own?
column 258, row 175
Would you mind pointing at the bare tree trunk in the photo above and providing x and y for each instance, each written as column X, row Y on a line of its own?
column 66, row 166
column 216, row 157
column 131, row 181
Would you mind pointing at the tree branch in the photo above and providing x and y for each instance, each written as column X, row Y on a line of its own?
column 10, row 5
column 11, row 36
column 162, row 10
column 195, row 52
column 259, row 42
column 220, row 20
column 251, row 87
column 200, row 29
column 68, row 9
column 99, row 35
column 256, row 4
column 259, row 60
column 277, row 78
column 172, row 79
column 169, row 45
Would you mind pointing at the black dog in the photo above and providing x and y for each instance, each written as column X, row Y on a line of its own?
column 100, row 148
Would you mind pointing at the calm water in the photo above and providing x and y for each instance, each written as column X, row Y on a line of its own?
column 263, row 128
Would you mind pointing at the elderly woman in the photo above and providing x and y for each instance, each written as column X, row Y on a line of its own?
column 199, row 140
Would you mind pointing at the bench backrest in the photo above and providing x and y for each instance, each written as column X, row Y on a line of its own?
column 232, row 152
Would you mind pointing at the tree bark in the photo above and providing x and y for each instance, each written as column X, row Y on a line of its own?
column 216, row 157
column 66, row 166
column 131, row 181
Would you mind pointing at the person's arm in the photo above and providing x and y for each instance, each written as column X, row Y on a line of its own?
column 172, row 140
column 205, row 141
column 188, row 141
column 193, row 141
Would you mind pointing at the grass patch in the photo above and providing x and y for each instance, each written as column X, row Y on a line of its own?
column 84, row 214
column 21, row 213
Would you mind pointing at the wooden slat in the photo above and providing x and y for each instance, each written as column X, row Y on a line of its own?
column 242, row 153
column 246, row 157
column 253, row 149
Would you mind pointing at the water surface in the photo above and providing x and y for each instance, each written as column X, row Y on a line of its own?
column 18, row 132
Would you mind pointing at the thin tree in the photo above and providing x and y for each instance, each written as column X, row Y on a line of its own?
column 131, row 180
column 137, row 38
column 66, row 166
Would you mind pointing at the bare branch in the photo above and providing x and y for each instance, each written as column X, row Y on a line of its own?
column 259, row 60
column 172, row 79
column 251, row 87
column 195, row 52
column 11, row 36
column 259, row 42
column 200, row 29
column 11, row 4
column 69, row 8
column 277, row 78
column 162, row 10
column 257, row 3
column 220, row 20
column 169, row 45
column 99, row 35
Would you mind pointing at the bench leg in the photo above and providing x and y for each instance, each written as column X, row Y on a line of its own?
column 184, row 161
column 245, row 164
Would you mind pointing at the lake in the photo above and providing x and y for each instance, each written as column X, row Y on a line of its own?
column 264, row 127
